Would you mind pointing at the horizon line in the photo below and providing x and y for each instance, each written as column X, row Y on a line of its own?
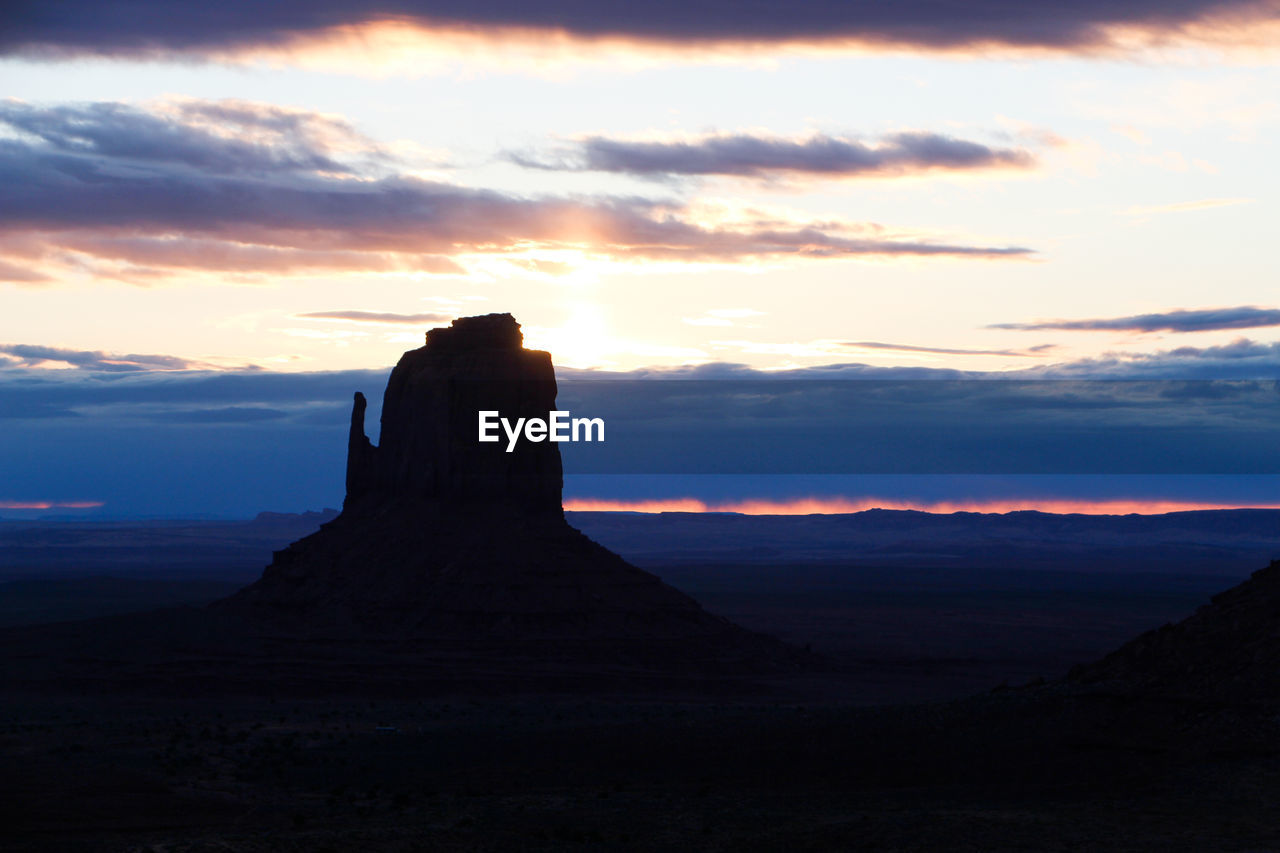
column 843, row 506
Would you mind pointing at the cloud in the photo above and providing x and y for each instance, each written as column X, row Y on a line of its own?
column 725, row 370
column 877, row 345
column 542, row 266
column 1184, row 206
column 223, row 137
column 165, row 442
column 1241, row 359
column 157, row 389
column 24, row 389
column 743, row 155
column 38, row 411
column 377, row 317
column 1241, row 348
column 224, row 415
column 160, row 27
column 1201, row 320
column 121, row 192
column 22, row 275
column 143, row 256
column 28, row 355
column 171, row 442
column 722, row 317
column 889, row 422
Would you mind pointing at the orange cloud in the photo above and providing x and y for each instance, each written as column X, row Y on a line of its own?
column 410, row 34
column 144, row 194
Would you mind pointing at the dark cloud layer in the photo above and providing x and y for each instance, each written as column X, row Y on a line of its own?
column 743, row 155
column 1203, row 320
column 153, row 391
column 1240, row 359
column 28, row 355
column 137, row 194
column 241, row 442
column 218, row 138
column 149, row 27
column 150, row 439
column 223, row 415
column 1032, row 351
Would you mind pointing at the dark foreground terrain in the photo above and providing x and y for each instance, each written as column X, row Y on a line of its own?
column 1039, row 769
column 886, row 635
column 908, row 737
column 908, row 606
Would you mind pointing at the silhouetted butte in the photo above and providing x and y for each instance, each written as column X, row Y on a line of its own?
column 455, row 543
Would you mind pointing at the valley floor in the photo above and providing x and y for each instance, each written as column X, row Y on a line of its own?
column 1041, row 769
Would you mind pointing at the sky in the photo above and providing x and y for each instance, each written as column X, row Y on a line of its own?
column 217, row 221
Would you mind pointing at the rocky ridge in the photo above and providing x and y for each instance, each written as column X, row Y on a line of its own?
column 1227, row 651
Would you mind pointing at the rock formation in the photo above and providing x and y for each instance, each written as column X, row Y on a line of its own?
column 428, row 451
column 1227, row 651
column 448, row 542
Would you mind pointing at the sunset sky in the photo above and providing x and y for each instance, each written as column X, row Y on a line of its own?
column 302, row 188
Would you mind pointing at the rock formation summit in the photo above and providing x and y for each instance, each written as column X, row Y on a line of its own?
column 455, row 543
column 429, row 455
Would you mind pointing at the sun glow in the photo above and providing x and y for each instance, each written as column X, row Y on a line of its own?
column 834, row 505
column 582, row 341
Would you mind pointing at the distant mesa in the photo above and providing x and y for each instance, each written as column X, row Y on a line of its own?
column 453, row 543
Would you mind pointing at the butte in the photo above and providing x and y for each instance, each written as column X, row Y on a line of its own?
column 460, row 549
